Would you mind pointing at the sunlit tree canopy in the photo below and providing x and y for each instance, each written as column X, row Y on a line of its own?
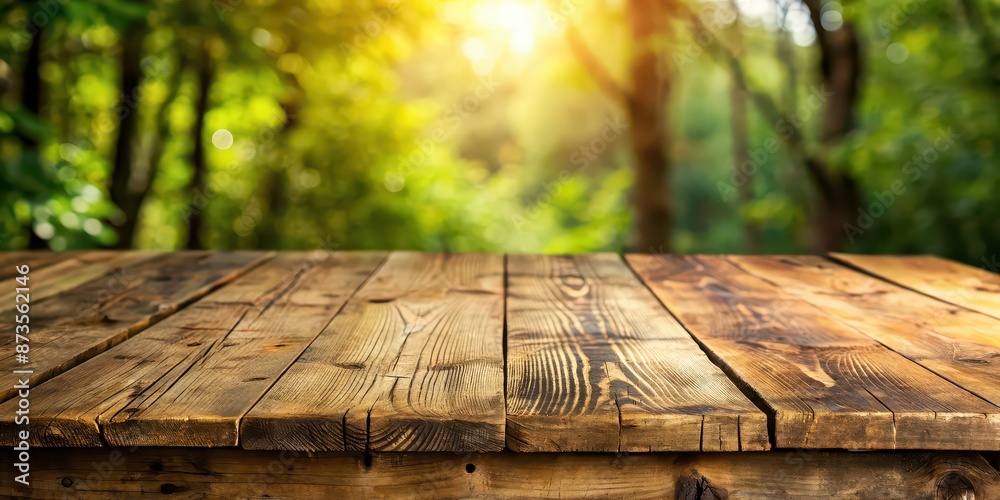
column 737, row 126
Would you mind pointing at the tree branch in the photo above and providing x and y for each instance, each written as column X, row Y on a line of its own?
column 974, row 18
column 763, row 102
column 593, row 66
column 767, row 106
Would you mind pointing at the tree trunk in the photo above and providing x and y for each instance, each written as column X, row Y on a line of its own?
column 988, row 42
column 652, row 197
column 275, row 188
column 837, row 206
column 741, row 144
column 840, row 197
column 31, row 100
column 199, row 188
column 122, row 174
column 274, row 196
column 148, row 163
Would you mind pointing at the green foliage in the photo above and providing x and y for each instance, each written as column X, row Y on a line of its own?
column 362, row 125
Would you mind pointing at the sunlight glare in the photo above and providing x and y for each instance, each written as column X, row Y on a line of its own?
column 519, row 21
column 475, row 48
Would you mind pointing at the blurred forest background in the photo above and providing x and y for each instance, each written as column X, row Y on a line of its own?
column 740, row 126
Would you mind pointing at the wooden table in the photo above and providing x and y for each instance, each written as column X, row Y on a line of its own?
column 224, row 374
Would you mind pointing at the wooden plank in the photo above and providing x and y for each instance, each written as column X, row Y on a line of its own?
column 226, row 473
column 36, row 261
column 73, row 326
column 956, row 343
column 189, row 379
column 953, row 282
column 204, row 406
column 414, row 362
column 826, row 384
column 596, row 364
column 70, row 273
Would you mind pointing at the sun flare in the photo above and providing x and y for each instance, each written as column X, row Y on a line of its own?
column 494, row 27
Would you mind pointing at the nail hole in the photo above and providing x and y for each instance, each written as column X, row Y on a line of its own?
column 470, row 468
column 156, row 466
column 67, row 482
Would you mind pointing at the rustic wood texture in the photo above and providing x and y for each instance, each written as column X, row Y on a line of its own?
column 35, row 260
column 77, row 269
column 958, row 344
column 403, row 352
column 189, row 379
column 414, row 362
column 596, row 364
column 70, row 327
column 205, row 405
column 215, row 473
column 826, row 384
column 960, row 284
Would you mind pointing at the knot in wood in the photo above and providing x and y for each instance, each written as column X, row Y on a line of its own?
column 698, row 487
column 955, row 486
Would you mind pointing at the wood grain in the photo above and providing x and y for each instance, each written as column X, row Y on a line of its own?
column 205, row 405
column 36, row 261
column 956, row 343
column 596, row 364
column 70, row 327
column 953, row 282
column 70, row 273
column 222, row 473
column 189, row 379
column 826, row 384
column 414, row 362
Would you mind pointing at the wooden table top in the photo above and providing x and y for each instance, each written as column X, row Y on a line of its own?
column 405, row 351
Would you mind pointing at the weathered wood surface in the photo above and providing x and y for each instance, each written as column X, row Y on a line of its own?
column 825, row 384
column 70, row 327
column 357, row 351
column 75, row 270
column 960, row 345
column 414, row 362
column 188, row 380
column 215, row 473
column 594, row 363
column 36, row 261
column 961, row 284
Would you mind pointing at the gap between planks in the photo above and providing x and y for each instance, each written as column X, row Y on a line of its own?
column 595, row 363
column 188, row 380
column 921, row 401
column 79, row 323
column 716, row 360
column 415, row 365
